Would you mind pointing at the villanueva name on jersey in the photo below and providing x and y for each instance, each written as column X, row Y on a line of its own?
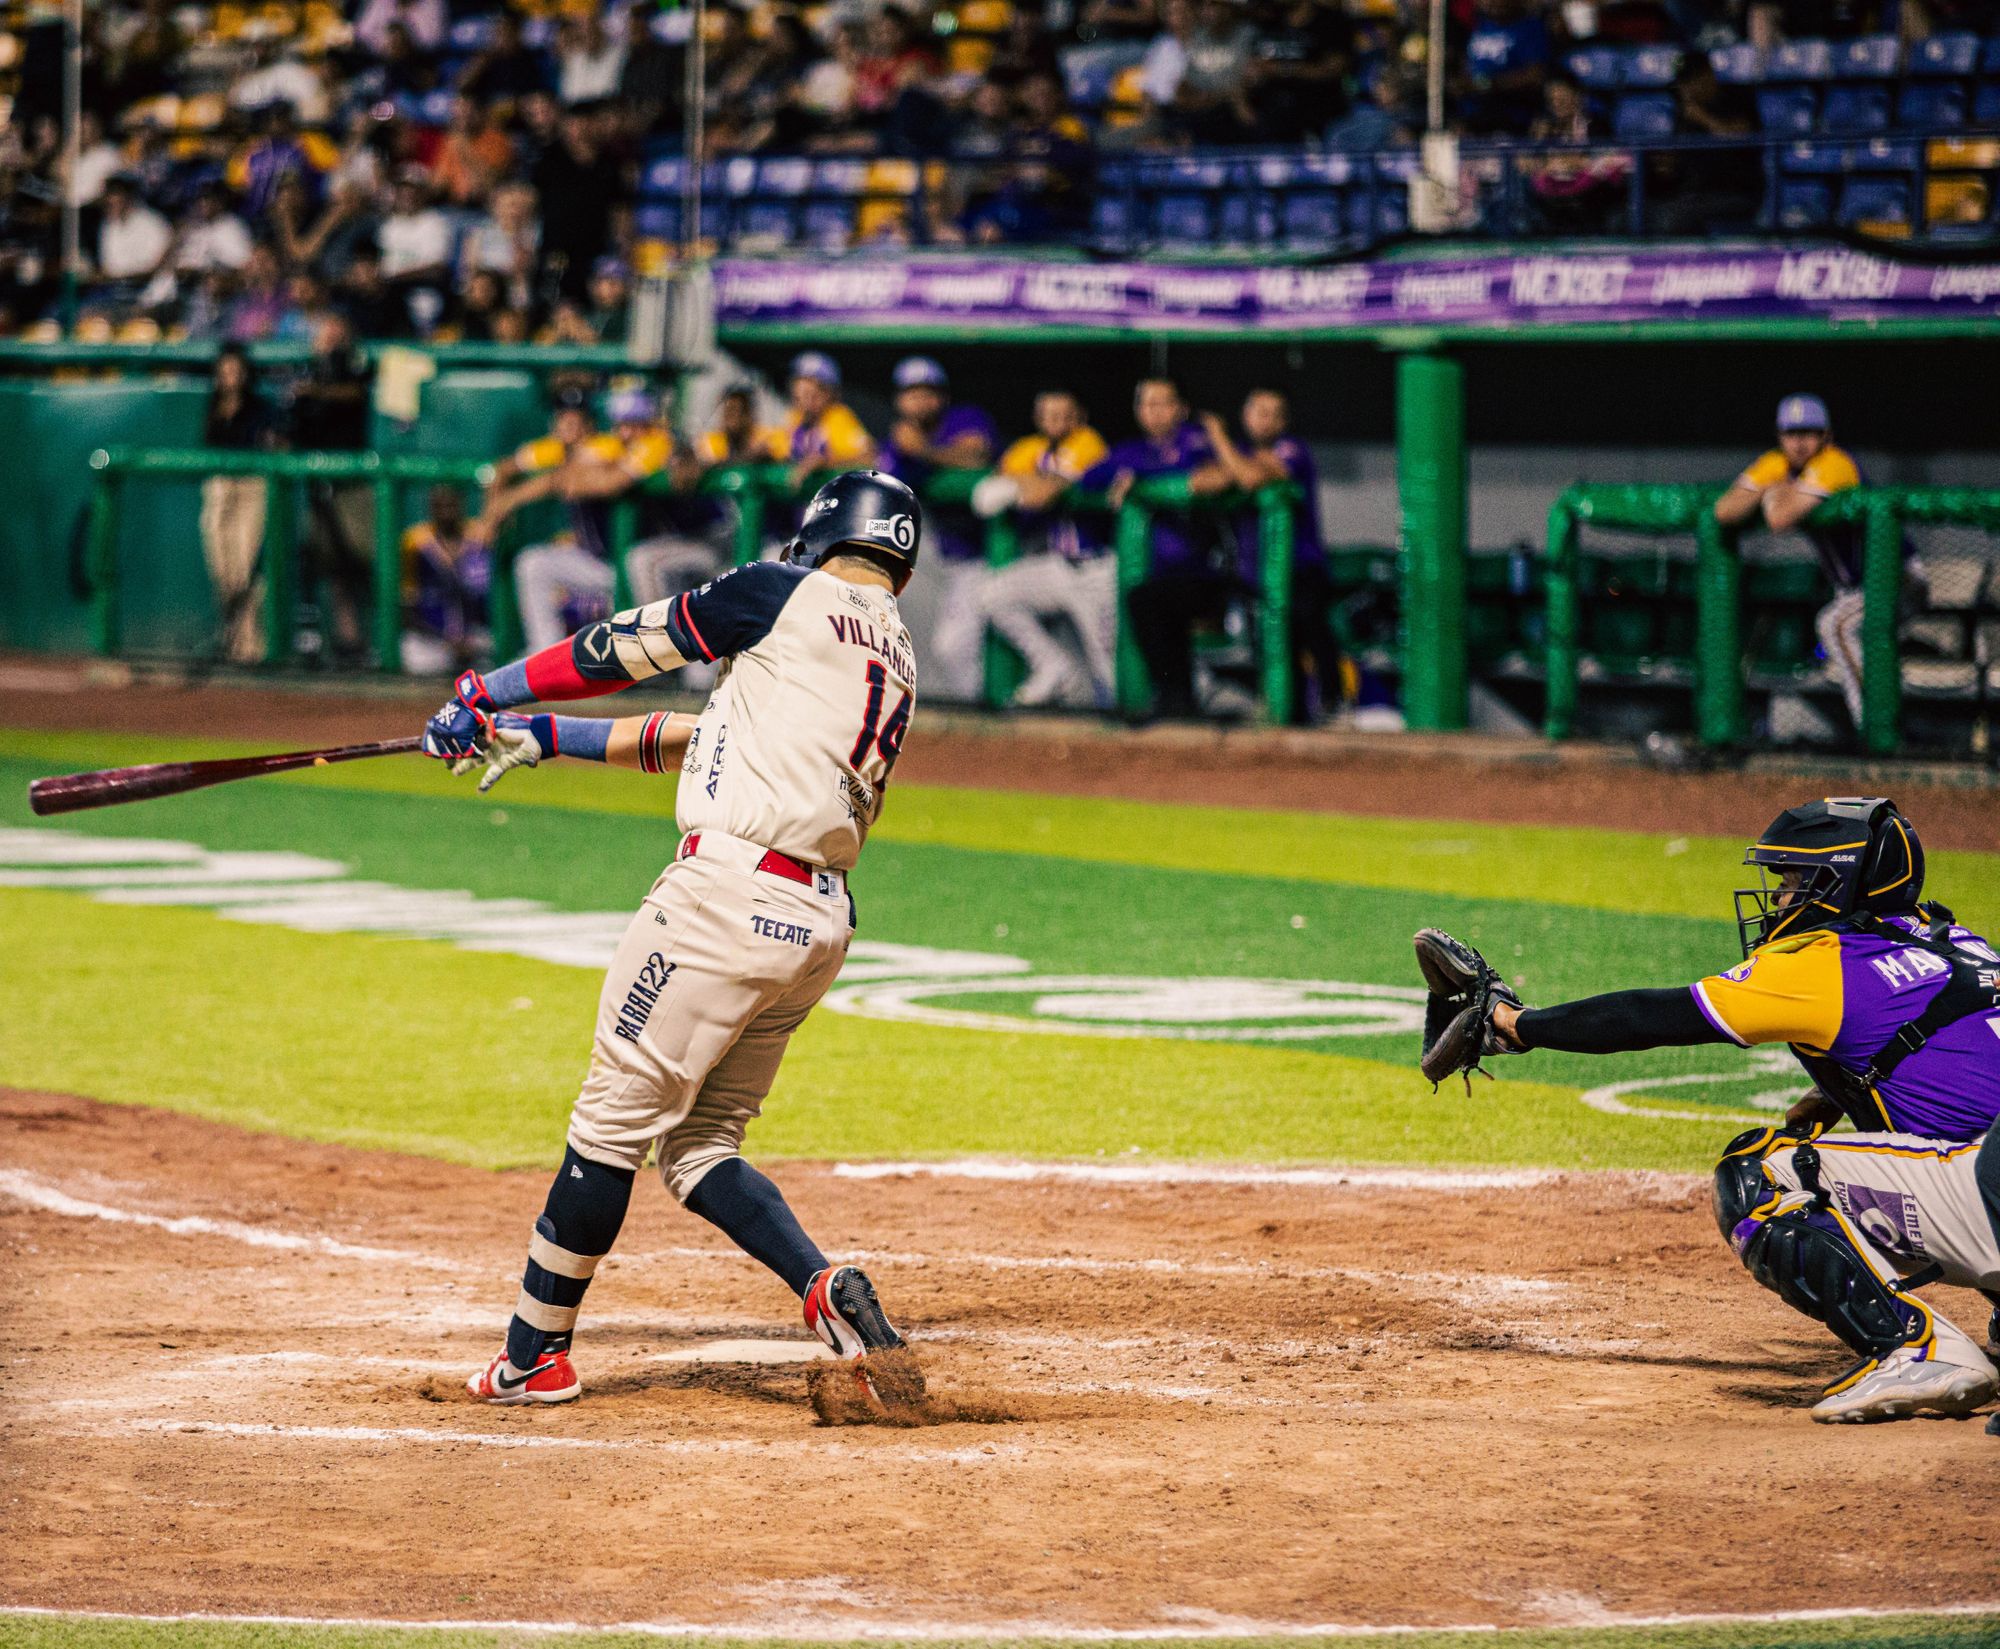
column 859, row 633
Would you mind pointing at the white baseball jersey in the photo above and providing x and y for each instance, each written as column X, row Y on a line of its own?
column 795, row 746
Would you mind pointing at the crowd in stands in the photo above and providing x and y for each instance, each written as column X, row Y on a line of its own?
column 445, row 169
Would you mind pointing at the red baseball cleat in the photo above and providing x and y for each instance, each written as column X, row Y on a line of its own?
column 842, row 1310
column 552, row 1380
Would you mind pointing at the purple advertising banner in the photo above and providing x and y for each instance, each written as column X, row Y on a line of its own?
column 1525, row 291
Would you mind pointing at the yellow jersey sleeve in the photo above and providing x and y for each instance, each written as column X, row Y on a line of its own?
column 1790, row 991
column 847, row 442
column 646, row 454
column 1767, row 471
column 782, row 437
column 1081, row 450
column 712, row 447
column 534, row 457
column 1829, row 471
column 1022, row 457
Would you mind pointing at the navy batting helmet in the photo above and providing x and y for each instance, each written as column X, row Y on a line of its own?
column 1832, row 858
column 865, row 512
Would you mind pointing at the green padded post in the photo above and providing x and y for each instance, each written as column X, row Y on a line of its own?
column 281, row 567
column 1430, row 468
column 1881, row 595
column 1718, row 635
column 503, row 602
column 1003, row 671
column 1562, row 610
column 1275, row 526
column 1134, row 548
column 624, row 534
column 388, row 577
column 106, row 626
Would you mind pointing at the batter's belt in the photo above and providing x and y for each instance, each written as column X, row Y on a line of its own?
column 734, row 853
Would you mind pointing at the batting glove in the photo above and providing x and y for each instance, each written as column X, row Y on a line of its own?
column 515, row 741
column 457, row 731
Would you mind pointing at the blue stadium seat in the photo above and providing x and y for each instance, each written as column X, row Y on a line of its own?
column 1088, row 71
column 1804, row 203
column 1652, row 65
column 1875, row 200
column 1884, row 154
column 1599, row 68
column 1787, row 110
column 1246, row 220
column 1331, row 170
column 658, row 220
column 1739, row 65
column 1944, row 55
column 768, row 221
column 1273, row 171
column 1312, row 218
column 828, row 224
column 1931, row 105
column 1111, row 220
column 840, row 177
column 1197, row 172
column 470, row 34
column 739, row 176
column 786, row 177
column 663, row 177
column 1390, row 214
column 1855, row 111
column 538, row 34
column 1870, row 57
column 1814, row 158
column 1986, row 105
column 1989, row 55
column 435, row 109
column 1183, row 220
column 1802, row 60
column 1642, row 117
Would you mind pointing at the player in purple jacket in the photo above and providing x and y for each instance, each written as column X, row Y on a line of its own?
column 1192, row 576
column 932, row 433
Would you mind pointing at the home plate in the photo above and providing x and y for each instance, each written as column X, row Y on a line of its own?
column 749, row 1351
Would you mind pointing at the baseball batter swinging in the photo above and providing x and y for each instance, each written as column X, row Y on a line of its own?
column 781, row 776
column 1894, row 1011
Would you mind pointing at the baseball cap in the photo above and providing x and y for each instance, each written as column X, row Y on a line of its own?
column 920, row 372
column 816, row 366
column 1802, row 412
column 609, row 268
column 631, row 405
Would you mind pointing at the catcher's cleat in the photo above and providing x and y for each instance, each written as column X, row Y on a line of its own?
column 1948, row 1376
column 1993, row 1331
column 841, row 1308
column 551, row 1380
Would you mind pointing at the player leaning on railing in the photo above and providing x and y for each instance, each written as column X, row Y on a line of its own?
column 1894, row 1011
column 781, row 777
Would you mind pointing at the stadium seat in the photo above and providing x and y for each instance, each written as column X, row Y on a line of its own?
column 1989, row 55
column 828, row 224
column 663, row 177
column 840, row 177
column 1088, row 71
column 1654, row 66
column 886, row 210
column 435, row 108
column 1884, row 154
column 769, row 223
column 739, row 176
column 538, row 34
column 1804, row 204
column 1331, row 170
column 1112, row 221
column 658, row 220
column 1244, row 219
column 1930, row 105
column 1814, row 159
column 1312, row 218
column 1944, row 56
column 1875, row 200
column 1802, row 60
column 786, row 177
column 1986, row 105
column 1855, row 111
column 470, row 34
column 1871, row 57
column 1182, row 220
column 1739, row 65
column 1597, row 68
column 1389, row 214
column 1787, row 111
column 1643, row 116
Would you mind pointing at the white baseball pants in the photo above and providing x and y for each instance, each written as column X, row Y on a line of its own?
column 1839, row 627
column 1021, row 597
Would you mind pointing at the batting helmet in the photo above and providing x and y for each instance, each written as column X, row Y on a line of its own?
column 863, row 512
column 1831, row 858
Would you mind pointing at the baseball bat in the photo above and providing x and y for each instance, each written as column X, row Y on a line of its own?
column 73, row 792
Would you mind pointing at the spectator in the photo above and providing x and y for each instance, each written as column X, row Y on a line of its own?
column 406, row 72
column 415, row 239
column 1507, row 56
column 481, row 302
column 97, row 160
column 1190, row 573
column 276, row 152
column 504, row 70
column 422, row 21
column 1385, row 121
column 474, row 156
column 447, row 576
column 145, row 47
column 931, row 434
column 610, row 314
column 1575, row 191
column 132, row 239
column 232, row 506
column 589, row 61
column 1295, row 81
column 1268, row 453
column 508, row 241
column 1700, row 191
column 1195, row 71
column 652, row 80
column 825, row 94
column 214, row 238
column 329, row 413
column 820, row 431
column 360, row 164
column 1786, row 486
column 894, row 62
column 1070, row 576
column 374, row 308
column 282, row 77
column 577, row 190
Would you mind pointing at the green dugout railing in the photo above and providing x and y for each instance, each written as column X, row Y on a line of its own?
column 1720, row 715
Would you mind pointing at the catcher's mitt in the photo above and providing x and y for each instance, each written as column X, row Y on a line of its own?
column 1458, row 1024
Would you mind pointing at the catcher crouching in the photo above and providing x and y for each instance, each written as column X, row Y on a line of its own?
column 1893, row 1009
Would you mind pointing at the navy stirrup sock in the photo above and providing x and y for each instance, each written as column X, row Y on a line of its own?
column 754, row 1215
column 579, row 1224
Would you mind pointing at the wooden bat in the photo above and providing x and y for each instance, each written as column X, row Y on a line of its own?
column 107, row 787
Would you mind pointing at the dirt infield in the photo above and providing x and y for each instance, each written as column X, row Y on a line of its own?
column 1395, row 775
column 234, row 1361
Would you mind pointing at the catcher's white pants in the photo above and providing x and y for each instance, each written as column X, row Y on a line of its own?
column 956, row 657
column 1908, row 1200
column 1021, row 597
column 1839, row 627
column 722, row 963
column 550, row 576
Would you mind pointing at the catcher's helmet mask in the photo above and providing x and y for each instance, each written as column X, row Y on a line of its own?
column 864, row 513
column 1827, row 860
